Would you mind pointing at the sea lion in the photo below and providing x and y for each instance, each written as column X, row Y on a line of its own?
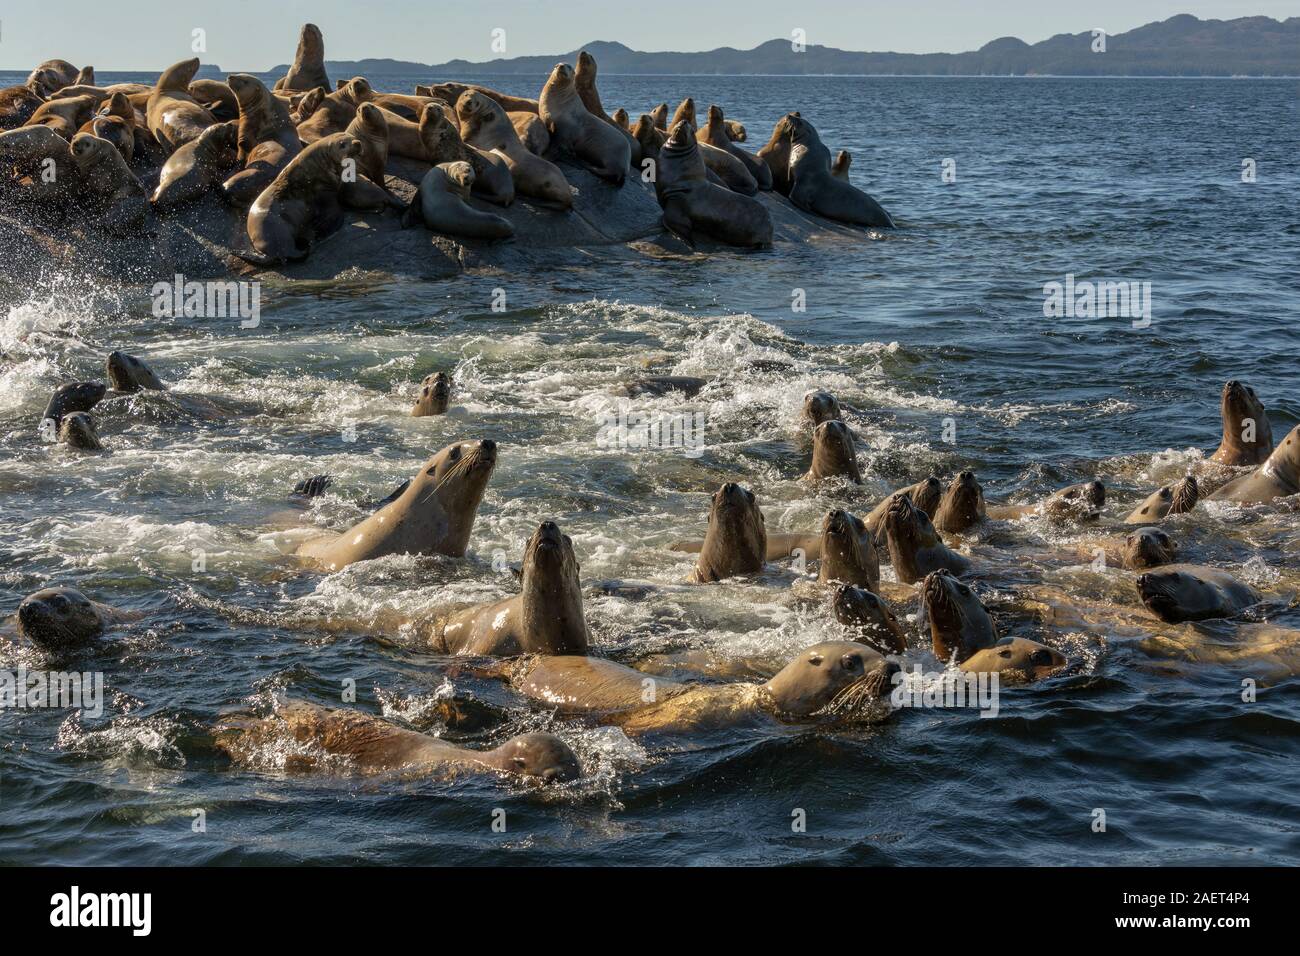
column 115, row 130
column 71, row 397
column 78, row 431
column 597, row 145
column 714, row 133
column 661, row 385
column 434, row 515
column 407, row 107
column 959, row 623
column 304, row 106
column 584, row 81
column 435, row 395
column 1148, row 548
column 736, row 540
column 1016, row 660
column 308, row 69
column 819, row 406
column 621, row 119
column 776, row 153
column 195, row 168
column 1278, row 477
column 685, row 113
column 1074, row 504
column 925, row 494
column 848, row 552
column 64, row 116
column 545, row 618
column 691, row 202
column 834, row 455
column 217, row 98
column 835, row 679
column 51, row 76
column 268, row 139
column 17, row 105
column 814, row 189
column 915, row 548
column 442, row 144
column 659, row 117
column 532, row 132
column 108, row 186
column 60, row 619
column 1186, row 592
column 442, row 203
column 840, row 168
column 172, row 115
column 45, row 158
column 452, row 92
column 869, row 615
column 129, row 374
column 483, row 123
column 962, row 505
column 86, row 77
column 370, row 128
column 335, row 110
column 1247, row 434
column 368, row 745
column 1175, row 499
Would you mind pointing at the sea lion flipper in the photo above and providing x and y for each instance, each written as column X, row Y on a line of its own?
column 313, row 487
column 677, row 220
column 401, row 490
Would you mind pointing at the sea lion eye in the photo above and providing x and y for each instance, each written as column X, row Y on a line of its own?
column 519, row 762
column 815, row 660
column 454, row 454
column 851, row 662
column 1041, row 658
column 1005, row 655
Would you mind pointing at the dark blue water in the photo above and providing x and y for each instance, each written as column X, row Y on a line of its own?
column 938, row 324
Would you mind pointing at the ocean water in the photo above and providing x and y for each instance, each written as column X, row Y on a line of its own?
column 934, row 333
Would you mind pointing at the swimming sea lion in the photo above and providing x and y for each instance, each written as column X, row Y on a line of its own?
column 308, row 69
column 1187, row 592
column 172, row 115
column 833, row 454
column 545, row 618
column 925, row 494
column 840, row 168
column 72, row 397
column 959, row 623
column 442, row 144
column 370, row 745
column 60, row 619
column 1175, row 499
column 1278, row 477
column 915, row 548
column 595, row 143
column 1016, row 660
column 714, row 133
column 51, row 76
column 435, row 394
column 335, row 110
column 962, row 505
column 442, row 203
column 268, row 139
column 108, row 186
column 196, row 167
column 736, row 540
column 869, row 615
column 691, row 202
column 818, row 407
column 848, row 552
column 1077, row 503
column 64, row 116
column 434, row 515
column 1247, row 434
column 1148, row 548
column 813, row 188
column 483, row 123
column 17, row 104
column 78, row 431
column 128, row 374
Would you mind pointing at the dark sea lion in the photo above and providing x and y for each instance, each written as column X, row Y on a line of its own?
column 442, row 204
column 1148, row 548
column 925, row 494
column 442, row 144
column 62, row 619
column 73, row 397
column 17, row 105
column 1247, row 434
column 434, row 515
column 52, row 76
column 1186, row 592
column 915, row 548
column 584, row 81
column 818, row 407
column 545, row 618
column 268, row 139
column 834, row 454
column 840, row 168
column 172, row 115
column 660, row 385
column 196, row 168
column 484, row 124
column 369, row 745
column 304, row 106
column 1016, row 660
column 452, row 92
column 335, row 110
column 129, row 374
column 714, row 133
column 32, row 152
column 217, row 98
column 690, row 202
column 1072, row 505
column 594, row 142
column 435, row 395
column 78, row 431
column 813, row 188
column 848, row 552
column 959, row 623
column 308, row 69
column 1175, row 499
column 64, row 116
column 962, row 505
column 736, row 540
column 108, row 186
column 869, row 615
column 1278, row 477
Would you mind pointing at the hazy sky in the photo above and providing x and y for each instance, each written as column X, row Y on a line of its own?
column 248, row 35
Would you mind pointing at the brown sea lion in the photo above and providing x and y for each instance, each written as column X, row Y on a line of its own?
column 442, row 204
column 51, row 76
column 1278, row 477
column 435, row 396
column 1075, row 504
column 736, row 540
column 962, row 505
column 834, row 454
column 217, row 98
column 108, row 186
column 915, row 548
column 840, row 168
column 407, row 107
column 685, row 113
column 959, row 623
column 442, row 144
column 303, row 106
column 197, row 167
column 371, row 128
column 78, row 431
column 925, row 494
column 1247, row 434
column 61, row 619
column 776, row 153
column 1016, row 660
column 335, row 110
column 64, row 116
column 362, row 743
column 268, row 139
column 584, row 80
column 690, row 202
column 86, row 77
column 1148, row 548
column 115, row 130
column 848, row 552
column 869, row 615
column 434, row 515
column 17, row 104
column 126, row 373
column 1175, row 499
column 484, row 124
column 714, row 133
column 452, row 92
column 531, row 131
column 546, row 617
column 308, row 69
column 659, row 117
column 172, row 115
column 814, row 189
column 593, row 142
column 1187, row 592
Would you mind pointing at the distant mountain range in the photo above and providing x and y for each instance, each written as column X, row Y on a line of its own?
column 1180, row 46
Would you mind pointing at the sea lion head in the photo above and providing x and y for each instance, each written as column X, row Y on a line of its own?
column 1244, row 417
column 89, row 150
column 461, row 176
column 440, row 138
column 685, row 112
column 178, row 76
column 1081, row 502
column 864, row 610
column 479, row 112
column 552, row 606
column 586, row 66
column 841, row 678
column 834, row 452
column 372, row 120
column 620, row 117
column 456, row 478
column 959, row 622
column 45, row 81
column 78, row 431
column 926, row 495
column 309, row 103
column 659, row 116
column 435, row 395
column 1016, row 660
column 1175, row 595
column 843, row 160
column 962, row 505
column 544, row 758
column 848, row 550
column 356, row 90
column 715, row 118
column 1175, row 499
column 115, row 130
column 561, row 77
column 736, row 131
column 128, row 374
column 59, row 618
column 249, row 90
column 648, row 134
column 1148, row 548
column 74, row 397
column 118, row 105
column 310, row 41
column 820, row 406
column 907, row 528
column 736, row 539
